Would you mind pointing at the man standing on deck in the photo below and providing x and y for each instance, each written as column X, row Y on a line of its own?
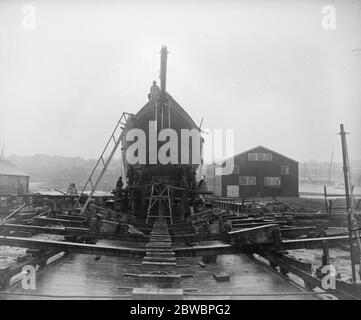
column 154, row 91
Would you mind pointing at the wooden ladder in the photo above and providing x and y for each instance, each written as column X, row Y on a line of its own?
column 103, row 161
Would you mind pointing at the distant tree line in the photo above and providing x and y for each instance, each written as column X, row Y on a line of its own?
column 47, row 171
column 58, row 172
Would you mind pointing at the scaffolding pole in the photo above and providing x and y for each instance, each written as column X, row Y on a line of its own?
column 352, row 229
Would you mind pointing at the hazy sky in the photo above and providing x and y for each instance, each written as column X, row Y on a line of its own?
column 264, row 68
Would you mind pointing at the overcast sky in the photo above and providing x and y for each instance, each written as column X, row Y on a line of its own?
column 264, row 68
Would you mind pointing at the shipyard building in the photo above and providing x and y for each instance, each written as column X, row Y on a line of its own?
column 258, row 172
column 12, row 179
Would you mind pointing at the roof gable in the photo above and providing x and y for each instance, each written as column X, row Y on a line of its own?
column 9, row 169
column 255, row 148
column 266, row 149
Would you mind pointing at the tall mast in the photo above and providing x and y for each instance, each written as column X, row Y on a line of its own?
column 163, row 70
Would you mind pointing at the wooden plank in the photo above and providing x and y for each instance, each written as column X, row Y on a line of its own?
column 73, row 231
column 72, row 247
column 257, row 224
column 313, row 243
column 295, row 232
column 64, row 222
column 264, row 234
column 199, row 251
column 12, row 214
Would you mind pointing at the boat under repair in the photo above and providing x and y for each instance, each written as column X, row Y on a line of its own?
column 162, row 235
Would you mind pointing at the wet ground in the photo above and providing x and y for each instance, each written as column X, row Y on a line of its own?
column 339, row 258
column 82, row 276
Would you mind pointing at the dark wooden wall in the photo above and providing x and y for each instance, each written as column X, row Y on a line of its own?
column 261, row 169
column 10, row 184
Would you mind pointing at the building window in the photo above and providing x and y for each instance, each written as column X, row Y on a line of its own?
column 285, row 170
column 236, row 169
column 260, row 156
column 272, row 181
column 247, row 181
column 267, row 157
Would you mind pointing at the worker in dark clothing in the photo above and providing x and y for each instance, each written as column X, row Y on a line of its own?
column 154, row 91
column 119, row 184
column 119, row 188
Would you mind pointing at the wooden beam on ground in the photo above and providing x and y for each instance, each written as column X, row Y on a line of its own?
column 73, row 247
column 257, row 224
column 265, row 234
column 206, row 250
column 200, row 237
column 343, row 290
column 291, row 232
column 12, row 214
column 70, row 217
column 73, row 231
column 258, row 244
column 312, row 243
column 64, row 222
column 295, row 232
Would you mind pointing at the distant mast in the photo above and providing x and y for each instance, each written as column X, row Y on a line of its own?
column 163, row 70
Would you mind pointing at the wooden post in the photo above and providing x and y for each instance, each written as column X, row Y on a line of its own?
column 326, row 202
column 325, row 254
column 348, row 202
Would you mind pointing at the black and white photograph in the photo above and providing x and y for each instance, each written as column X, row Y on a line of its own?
column 187, row 152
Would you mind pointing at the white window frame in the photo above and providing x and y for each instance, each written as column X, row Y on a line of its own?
column 259, row 156
column 272, row 181
column 247, row 181
column 267, row 156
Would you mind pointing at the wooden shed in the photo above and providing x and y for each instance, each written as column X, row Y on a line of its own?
column 12, row 179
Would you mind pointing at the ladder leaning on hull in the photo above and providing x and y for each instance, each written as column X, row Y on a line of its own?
column 103, row 163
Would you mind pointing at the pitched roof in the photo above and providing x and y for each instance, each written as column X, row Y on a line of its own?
column 269, row 150
column 9, row 169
